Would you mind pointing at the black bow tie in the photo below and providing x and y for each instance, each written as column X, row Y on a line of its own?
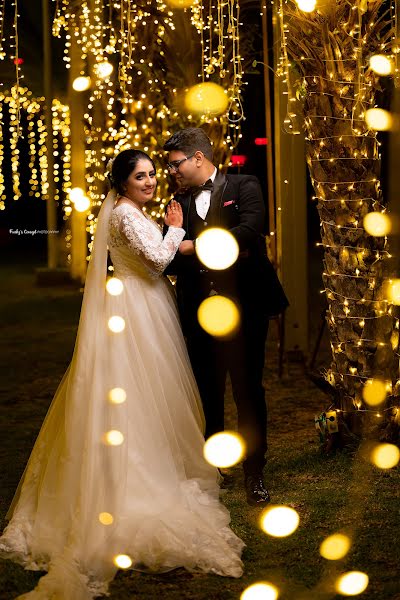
column 208, row 185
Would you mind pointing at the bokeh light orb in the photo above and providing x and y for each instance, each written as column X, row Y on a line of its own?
column 224, row 449
column 306, row 5
column 103, row 69
column 116, row 324
column 75, row 193
column 81, row 84
column 394, row 291
column 378, row 119
column 206, row 99
column 123, row 561
column 113, row 437
column 262, row 590
column 374, row 392
column 377, row 224
column 82, row 204
column 218, row 316
column 279, row 521
column 385, row 456
column 216, row 248
column 381, row 64
column 106, row 518
column 117, row 395
column 335, row 546
column 352, row 583
column 114, row 286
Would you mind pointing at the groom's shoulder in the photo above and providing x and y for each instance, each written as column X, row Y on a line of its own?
column 237, row 180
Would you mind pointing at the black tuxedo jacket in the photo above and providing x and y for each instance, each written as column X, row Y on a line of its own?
column 237, row 205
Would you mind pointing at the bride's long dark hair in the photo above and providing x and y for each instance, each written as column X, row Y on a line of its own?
column 123, row 164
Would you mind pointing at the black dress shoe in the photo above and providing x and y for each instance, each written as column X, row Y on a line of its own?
column 256, row 492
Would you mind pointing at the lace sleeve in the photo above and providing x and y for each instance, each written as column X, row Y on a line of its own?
column 141, row 237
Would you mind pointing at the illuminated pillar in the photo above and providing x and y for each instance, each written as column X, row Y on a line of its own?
column 79, row 248
column 51, row 210
column 291, row 219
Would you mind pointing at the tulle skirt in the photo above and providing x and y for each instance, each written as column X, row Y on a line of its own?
column 149, row 494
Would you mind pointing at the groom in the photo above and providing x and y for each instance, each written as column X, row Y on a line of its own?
column 233, row 202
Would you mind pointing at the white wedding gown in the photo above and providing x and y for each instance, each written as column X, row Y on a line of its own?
column 162, row 495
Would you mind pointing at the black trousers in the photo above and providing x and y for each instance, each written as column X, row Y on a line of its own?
column 243, row 358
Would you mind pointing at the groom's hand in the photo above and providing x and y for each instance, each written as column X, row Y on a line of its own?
column 187, row 247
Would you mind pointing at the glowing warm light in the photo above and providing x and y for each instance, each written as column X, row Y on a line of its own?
column 180, row 3
column 378, row 224
column 374, row 392
column 75, row 194
column 381, row 64
column 106, row 518
column 123, row 561
column 103, row 69
column 116, row 324
column 279, row 521
column 385, row 456
column 113, row 438
column 394, row 291
column 306, row 5
column 352, row 583
column 114, row 286
column 224, row 449
column 217, row 248
column 218, row 316
column 81, row 84
column 117, row 396
column 260, row 591
column 378, row 119
column 206, row 99
column 82, row 204
column 335, row 546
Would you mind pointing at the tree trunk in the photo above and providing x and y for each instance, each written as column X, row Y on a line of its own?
column 331, row 48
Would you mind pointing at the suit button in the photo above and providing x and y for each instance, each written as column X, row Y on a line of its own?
column 205, row 223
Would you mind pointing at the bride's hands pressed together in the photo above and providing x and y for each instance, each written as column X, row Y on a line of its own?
column 174, row 216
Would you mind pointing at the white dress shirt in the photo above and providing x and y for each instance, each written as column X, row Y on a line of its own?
column 203, row 199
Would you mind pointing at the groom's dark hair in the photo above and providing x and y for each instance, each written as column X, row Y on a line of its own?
column 190, row 140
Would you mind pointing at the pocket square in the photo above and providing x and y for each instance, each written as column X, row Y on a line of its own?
column 228, row 203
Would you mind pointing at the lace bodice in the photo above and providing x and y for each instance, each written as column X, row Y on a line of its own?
column 137, row 245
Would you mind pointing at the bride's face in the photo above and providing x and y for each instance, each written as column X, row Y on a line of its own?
column 141, row 183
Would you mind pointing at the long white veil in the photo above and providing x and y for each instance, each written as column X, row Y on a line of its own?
column 69, row 484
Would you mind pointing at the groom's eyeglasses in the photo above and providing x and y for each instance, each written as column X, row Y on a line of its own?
column 175, row 164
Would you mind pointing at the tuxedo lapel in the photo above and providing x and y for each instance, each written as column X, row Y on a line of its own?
column 220, row 184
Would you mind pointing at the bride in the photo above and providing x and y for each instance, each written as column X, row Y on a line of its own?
column 117, row 469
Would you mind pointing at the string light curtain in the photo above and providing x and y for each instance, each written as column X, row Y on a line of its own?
column 23, row 143
column 143, row 58
column 330, row 47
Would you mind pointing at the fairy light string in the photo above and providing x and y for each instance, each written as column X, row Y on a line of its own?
column 337, row 87
column 33, row 134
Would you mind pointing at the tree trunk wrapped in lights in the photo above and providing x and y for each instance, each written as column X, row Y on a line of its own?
column 331, row 48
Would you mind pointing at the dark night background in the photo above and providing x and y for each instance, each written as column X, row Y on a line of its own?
column 30, row 212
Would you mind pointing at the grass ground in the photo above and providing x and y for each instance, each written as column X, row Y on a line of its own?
column 340, row 492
